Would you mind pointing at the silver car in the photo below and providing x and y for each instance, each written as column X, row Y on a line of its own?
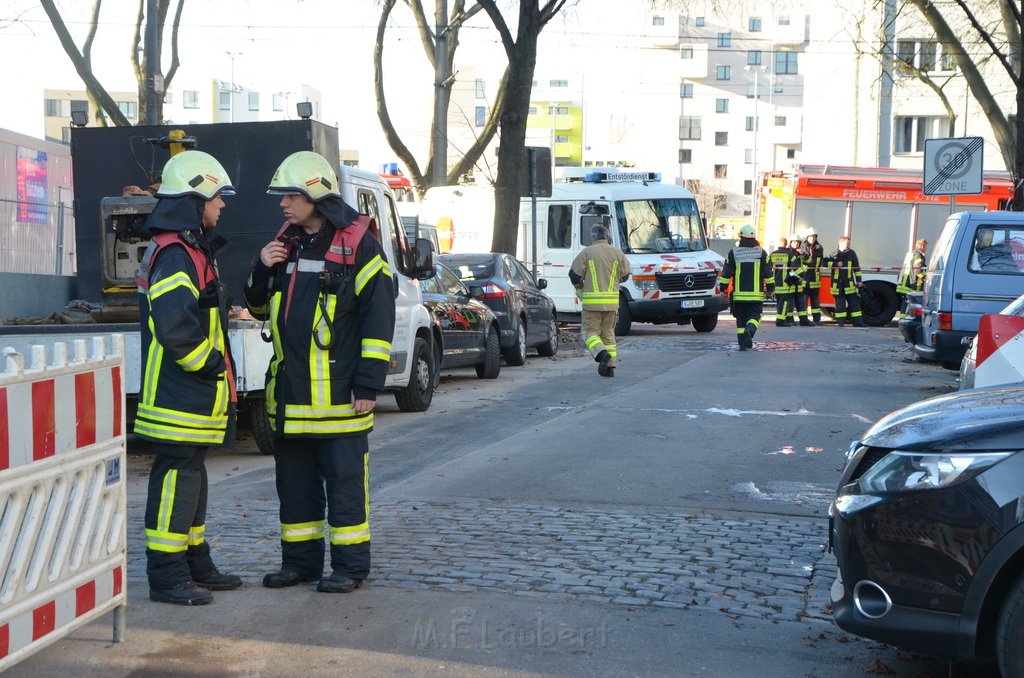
column 967, row 365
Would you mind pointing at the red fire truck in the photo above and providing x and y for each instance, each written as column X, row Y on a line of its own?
column 883, row 211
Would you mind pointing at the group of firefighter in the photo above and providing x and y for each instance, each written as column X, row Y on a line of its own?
column 792, row 274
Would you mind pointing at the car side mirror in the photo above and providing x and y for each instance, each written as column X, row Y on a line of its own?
column 542, row 283
column 424, row 253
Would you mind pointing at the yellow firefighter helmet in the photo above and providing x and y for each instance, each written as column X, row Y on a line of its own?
column 305, row 172
column 194, row 173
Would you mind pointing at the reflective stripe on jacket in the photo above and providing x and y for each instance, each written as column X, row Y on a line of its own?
column 749, row 271
column 188, row 383
column 599, row 269
column 912, row 274
column 845, row 268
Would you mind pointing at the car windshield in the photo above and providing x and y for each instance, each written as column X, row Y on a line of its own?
column 471, row 269
column 672, row 225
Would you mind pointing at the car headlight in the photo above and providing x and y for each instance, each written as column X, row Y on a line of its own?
column 907, row 471
column 645, row 284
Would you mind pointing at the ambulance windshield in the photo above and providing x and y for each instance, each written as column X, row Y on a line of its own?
column 672, row 225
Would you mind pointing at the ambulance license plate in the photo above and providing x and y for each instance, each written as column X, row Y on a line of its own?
column 692, row 303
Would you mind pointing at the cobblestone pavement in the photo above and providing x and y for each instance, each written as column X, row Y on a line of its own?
column 762, row 566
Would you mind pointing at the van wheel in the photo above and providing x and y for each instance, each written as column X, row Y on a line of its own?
column 417, row 395
column 260, row 424
column 550, row 347
column 1010, row 633
column 515, row 355
column 491, row 366
column 705, row 323
column 624, row 322
column 878, row 303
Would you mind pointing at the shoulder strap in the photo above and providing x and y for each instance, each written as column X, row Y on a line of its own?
column 346, row 240
column 161, row 240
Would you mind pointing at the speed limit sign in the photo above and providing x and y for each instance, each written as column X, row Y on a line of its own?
column 953, row 166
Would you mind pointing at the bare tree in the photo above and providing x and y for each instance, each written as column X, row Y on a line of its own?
column 522, row 61
column 422, row 177
column 104, row 105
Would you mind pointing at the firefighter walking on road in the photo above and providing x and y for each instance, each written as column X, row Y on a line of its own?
column 187, row 399
column 596, row 272
column 912, row 274
column 749, row 272
column 846, row 284
column 325, row 288
column 812, row 256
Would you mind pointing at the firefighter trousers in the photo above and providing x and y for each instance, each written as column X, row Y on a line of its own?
column 848, row 307
column 813, row 303
column 176, row 548
column 748, row 318
column 599, row 333
column 318, row 477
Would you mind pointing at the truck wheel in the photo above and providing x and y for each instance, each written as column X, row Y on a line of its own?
column 705, row 323
column 515, row 355
column 260, row 424
column 417, row 395
column 491, row 366
column 1010, row 633
column 878, row 303
column 550, row 347
column 624, row 323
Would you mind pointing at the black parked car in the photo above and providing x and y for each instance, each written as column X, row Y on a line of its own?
column 465, row 330
column 525, row 314
column 928, row 528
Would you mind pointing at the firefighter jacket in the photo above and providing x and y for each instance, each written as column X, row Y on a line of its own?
column 331, row 323
column 912, row 274
column 188, row 383
column 597, row 271
column 787, row 268
column 813, row 258
column 845, row 268
column 748, row 270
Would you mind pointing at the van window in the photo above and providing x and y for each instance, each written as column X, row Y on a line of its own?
column 405, row 259
column 368, row 205
column 997, row 249
column 560, row 226
column 672, row 225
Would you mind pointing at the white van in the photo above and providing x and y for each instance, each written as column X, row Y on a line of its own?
column 658, row 226
column 410, row 373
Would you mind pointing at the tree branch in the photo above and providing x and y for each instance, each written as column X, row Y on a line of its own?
column 996, row 52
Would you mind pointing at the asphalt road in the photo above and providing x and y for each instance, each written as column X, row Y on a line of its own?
column 667, row 522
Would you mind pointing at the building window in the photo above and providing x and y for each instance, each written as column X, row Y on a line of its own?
column 783, row 20
column 725, row 39
column 780, row 121
column 748, row 156
column 721, row 171
column 721, row 138
column 721, row 105
column 79, row 105
column 254, row 101
column 685, row 156
column 558, row 83
column 224, row 101
column 686, row 52
column 52, row 108
column 722, row 72
column 190, row 98
column 561, row 138
column 754, row 25
column 927, row 60
column 777, row 89
column 689, row 127
column 911, row 131
column 480, row 116
column 478, row 85
column 790, row 153
column 751, row 88
column 127, row 108
column 532, row 110
column 785, row 63
column 686, row 90
column 699, row 22
column 924, row 55
column 277, row 101
column 657, row 20
column 558, row 110
column 947, row 62
column 750, row 123
column 754, row 57
column 748, row 186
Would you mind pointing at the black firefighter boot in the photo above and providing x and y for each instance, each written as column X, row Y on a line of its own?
column 338, row 583
column 214, row 580
column 602, row 359
column 185, row 593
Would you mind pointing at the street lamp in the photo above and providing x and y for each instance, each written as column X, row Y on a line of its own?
column 231, row 91
column 757, row 70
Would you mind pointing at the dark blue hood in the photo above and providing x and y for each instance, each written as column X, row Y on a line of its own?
column 976, row 419
column 177, row 214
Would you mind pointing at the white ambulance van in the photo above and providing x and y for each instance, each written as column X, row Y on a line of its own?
column 658, row 226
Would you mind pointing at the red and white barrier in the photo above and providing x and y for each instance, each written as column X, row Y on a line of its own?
column 63, row 540
column 1000, row 351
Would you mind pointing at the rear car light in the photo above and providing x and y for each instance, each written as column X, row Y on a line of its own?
column 945, row 320
column 490, row 291
column 915, row 312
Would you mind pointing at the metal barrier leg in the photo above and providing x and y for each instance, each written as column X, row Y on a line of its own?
column 119, row 623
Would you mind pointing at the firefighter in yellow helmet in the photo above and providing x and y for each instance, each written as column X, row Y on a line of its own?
column 749, row 272
column 812, row 256
column 187, row 399
column 325, row 287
